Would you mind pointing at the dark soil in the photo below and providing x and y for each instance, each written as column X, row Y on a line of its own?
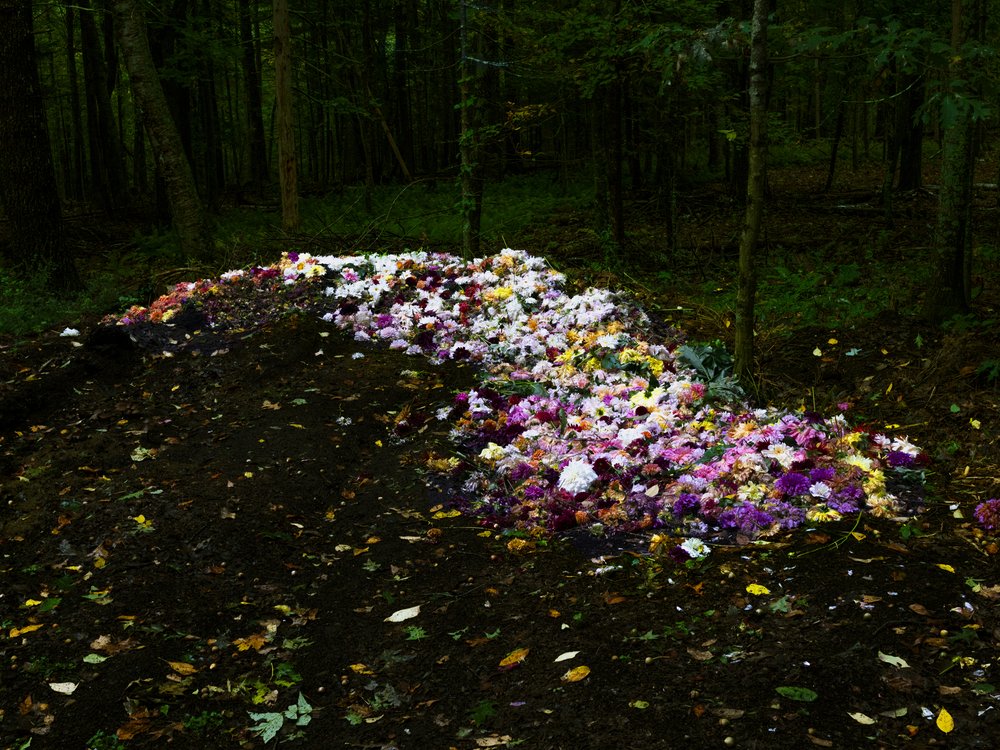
column 191, row 539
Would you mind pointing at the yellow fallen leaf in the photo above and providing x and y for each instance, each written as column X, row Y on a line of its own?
column 15, row 632
column 946, row 568
column 576, row 674
column 862, row 718
column 944, row 721
column 361, row 669
column 447, row 514
column 832, row 342
column 32, row 603
column 182, row 667
column 756, row 589
column 514, row 657
column 255, row 642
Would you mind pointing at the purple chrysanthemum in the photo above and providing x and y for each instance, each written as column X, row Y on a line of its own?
column 793, row 484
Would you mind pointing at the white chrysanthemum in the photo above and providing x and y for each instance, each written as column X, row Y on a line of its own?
column 820, row 490
column 577, row 476
column 782, row 453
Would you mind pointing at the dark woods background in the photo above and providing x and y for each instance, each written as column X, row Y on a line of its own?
column 638, row 97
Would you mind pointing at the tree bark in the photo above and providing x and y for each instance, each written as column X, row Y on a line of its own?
column 254, row 105
column 950, row 289
column 470, row 170
column 287, row 167
column 757, row 160
column 28, row 190
column 106, row 153
column 186, row 209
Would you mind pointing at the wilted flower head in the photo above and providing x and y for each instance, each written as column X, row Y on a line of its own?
column 988, row 514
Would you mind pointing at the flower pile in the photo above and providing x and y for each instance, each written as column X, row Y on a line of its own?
column 582, row 418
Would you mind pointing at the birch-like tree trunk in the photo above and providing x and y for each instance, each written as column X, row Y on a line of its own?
column 187, row 212
column 746, row 293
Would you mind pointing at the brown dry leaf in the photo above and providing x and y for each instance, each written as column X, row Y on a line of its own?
column 819, row 741
column 514, row 658
column 614, row 599
column 948, row 690
column 699, row 655
column 256, row 642
column 182, row 667
column 920, row 609
column 138, row 723
column 110, row 647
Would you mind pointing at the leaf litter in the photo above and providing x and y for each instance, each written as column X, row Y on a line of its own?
column 202, row 584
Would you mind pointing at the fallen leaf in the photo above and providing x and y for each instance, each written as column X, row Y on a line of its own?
column 893, row 660
column 401, row 615
column 895, row 713
column 94, row 658
column 66, row 688
column 819, row 741
column 255, row 642
column 944, row 721
column 946, row 568
column 494, row 741
column 182, row 667
column 862, row 718
column 576, row 674
column 757, row 590
column 700, row 655
column 15, row 632
column 795, row 693
column 920, row 609
column 566, row 656
column 514, row 657
column 641, row 705
column 361, row 669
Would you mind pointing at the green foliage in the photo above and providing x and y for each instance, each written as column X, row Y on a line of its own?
column 270, row 723
column 102, row 740
column 714, row 366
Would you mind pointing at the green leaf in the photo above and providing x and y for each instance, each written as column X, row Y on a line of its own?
column 268, row 726
column 797, row 693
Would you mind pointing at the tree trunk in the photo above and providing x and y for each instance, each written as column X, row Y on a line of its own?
column 950, row 291
column 470, row 177
column 257, row 157
column 757, row 161
column 28, row 192
column 186, row 209
column 74, row 183
column 287, row 168
column 106, row 153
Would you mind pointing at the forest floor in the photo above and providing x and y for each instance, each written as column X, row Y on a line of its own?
column 190, row 540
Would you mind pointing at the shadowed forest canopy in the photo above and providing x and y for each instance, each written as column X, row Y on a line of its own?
column 644, row 98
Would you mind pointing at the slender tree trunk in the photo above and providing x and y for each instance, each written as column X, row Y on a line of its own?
column 74, row 185
column 950, row 291
column 747, row 291
column 257, row 157
column 28, row 192
column 185, row 206
column 106, row 153
column 469, row 147
column 287, row 167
